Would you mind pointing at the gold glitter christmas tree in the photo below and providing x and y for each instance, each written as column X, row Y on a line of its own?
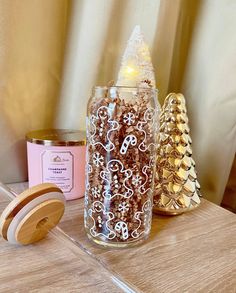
column 177, row 189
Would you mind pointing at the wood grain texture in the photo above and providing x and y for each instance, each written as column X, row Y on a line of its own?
column 44, row 201
column 193, row 252
column 48, row 266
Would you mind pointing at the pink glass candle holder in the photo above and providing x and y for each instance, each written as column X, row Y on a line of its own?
column 57, row 156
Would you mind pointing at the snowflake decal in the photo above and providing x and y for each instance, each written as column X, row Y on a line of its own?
column 123, row 207
column 136, row 180
column 98, row 159
column 129, row 118
column 96, row 192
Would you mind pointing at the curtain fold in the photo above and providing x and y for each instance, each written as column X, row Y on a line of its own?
column 209, row 85
column 32, row 35
column 53, row 52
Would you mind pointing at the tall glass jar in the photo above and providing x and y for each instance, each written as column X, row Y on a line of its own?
column 122, row 125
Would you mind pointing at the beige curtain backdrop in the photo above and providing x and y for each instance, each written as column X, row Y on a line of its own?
column 53, row 52
column 32, row 38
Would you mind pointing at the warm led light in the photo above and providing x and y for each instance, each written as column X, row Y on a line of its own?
column 136, row 65
column 129, row 69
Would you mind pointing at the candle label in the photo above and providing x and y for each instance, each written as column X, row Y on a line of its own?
column 57, row 168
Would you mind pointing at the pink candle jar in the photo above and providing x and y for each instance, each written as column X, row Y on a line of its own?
column 58, row 156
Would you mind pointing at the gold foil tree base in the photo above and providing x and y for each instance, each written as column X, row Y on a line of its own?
column 177, row 189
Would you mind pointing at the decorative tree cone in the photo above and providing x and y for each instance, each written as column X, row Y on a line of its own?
column 32, row 214
column 176, row 189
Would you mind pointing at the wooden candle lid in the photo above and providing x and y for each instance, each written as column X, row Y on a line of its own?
column 37, row 210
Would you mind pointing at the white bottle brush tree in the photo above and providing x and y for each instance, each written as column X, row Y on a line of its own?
column 136, row 65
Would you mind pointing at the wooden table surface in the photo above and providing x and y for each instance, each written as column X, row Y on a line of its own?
column 193, row 252
column 51, row 265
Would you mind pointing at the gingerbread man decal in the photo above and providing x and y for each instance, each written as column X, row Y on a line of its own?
column 144, row 219
column 101, row 220
column 147, row 170
column 148, row 128
column 115, row 178
column 101, row 127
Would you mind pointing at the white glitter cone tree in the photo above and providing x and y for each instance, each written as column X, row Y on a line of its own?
column 136, row 64
column 177, row 189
